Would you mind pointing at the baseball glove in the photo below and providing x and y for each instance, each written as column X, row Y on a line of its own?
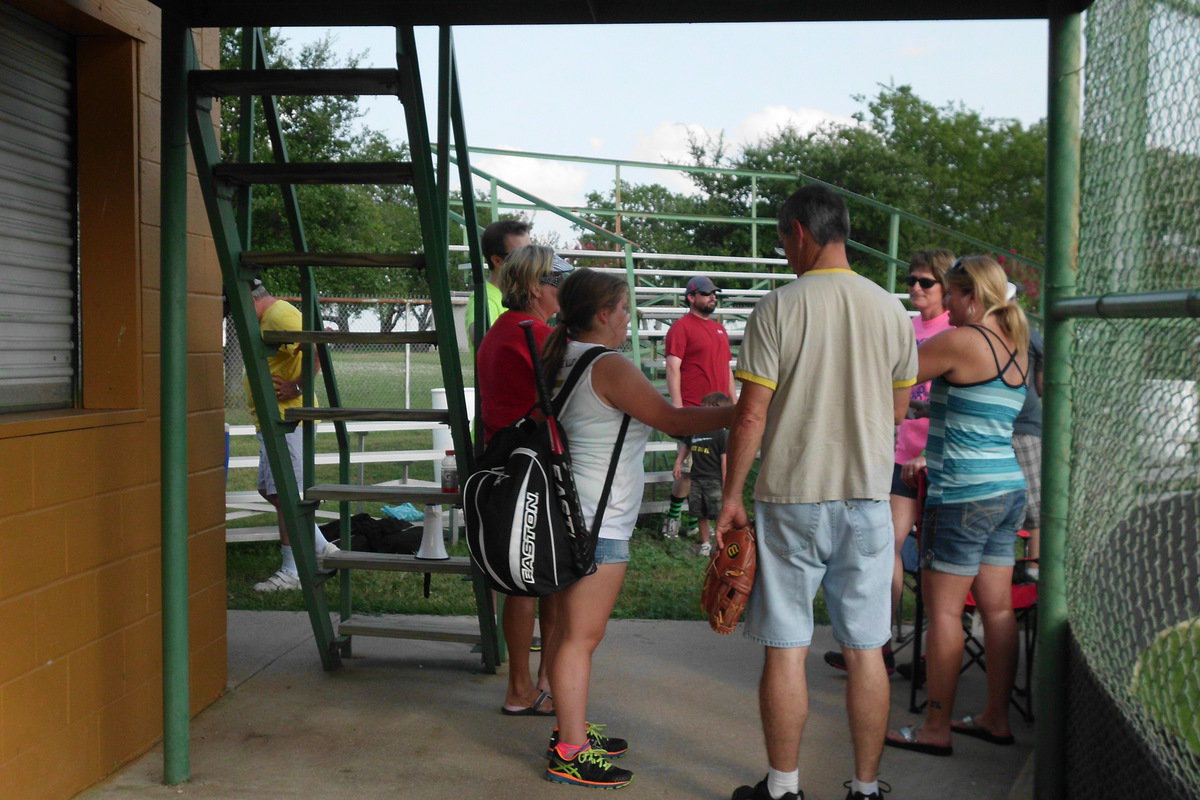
column 729, row 579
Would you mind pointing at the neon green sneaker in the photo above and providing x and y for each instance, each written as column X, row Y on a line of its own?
column 588, row 768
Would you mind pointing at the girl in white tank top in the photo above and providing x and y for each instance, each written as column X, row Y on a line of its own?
column 594, row 310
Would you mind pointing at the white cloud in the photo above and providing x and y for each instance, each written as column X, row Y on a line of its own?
column 773, row 119
column 596, row 142
column 670, row 141
column 557, row 182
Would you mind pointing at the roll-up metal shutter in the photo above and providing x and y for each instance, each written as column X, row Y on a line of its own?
column 38, row 305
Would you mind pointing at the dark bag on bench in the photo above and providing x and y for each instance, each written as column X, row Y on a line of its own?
column 525, row 528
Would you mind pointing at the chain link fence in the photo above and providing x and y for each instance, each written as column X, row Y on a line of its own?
column 1133, row 562
column 368, row 376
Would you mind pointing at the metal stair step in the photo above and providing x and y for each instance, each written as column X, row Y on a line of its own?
column 365, row 172
column 395, row 562
column 382, row 494
column 351, row 337
column 292, row 82
column 372, row 414
column 249, row 258
column 403, row 628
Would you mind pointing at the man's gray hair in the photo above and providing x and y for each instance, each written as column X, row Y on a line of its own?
column 258, row 292
column 820, row 210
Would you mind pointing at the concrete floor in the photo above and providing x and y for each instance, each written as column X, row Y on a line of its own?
column 418, row 719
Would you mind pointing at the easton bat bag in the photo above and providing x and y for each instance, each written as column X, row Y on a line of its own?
column 525, row 528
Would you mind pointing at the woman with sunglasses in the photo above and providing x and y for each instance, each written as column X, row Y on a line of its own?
column 976, row 499
column 926, row 293
column 529, row 279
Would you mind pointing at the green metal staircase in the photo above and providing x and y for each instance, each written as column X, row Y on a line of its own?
column 226, row 191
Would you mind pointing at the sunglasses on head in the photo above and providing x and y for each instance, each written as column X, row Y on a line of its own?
column 926, row 283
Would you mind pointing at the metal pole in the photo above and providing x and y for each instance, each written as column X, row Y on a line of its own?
column 1062, row 250
column 754, row 215
column 173, row 400
column 631, row 281
column 617, row 196
column 246, row 137
column 893, row 250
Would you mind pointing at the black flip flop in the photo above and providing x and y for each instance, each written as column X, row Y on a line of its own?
column 534, row 710
column 967, row 726
column 908, row 741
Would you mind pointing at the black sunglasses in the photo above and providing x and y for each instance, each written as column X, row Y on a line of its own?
column 554, row 279
column 926, row 283
column 705, row 294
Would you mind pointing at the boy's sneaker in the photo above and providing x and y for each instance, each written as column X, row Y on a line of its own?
column 835, row 659
column 670, row 528
column 613, row 746
column 705, row 549
column 590, row 767
column 280, row 581
column 878, row 794
column 759, row 792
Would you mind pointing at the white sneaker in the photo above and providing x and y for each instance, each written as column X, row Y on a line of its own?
column 329, row 549
column 670, row 528
column 278, row 582
column 705, row 549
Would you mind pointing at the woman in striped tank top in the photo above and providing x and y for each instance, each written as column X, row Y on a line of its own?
column 976, row 498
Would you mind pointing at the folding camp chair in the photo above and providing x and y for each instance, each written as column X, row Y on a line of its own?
column 1024, row 601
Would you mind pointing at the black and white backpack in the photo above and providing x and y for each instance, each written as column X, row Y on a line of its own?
column 525, row 528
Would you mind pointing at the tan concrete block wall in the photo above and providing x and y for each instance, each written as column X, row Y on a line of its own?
column 80, row 610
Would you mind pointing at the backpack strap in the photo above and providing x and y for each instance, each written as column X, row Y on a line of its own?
column 608, row 479
column 564, row 394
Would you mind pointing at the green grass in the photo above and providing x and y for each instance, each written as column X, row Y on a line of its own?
column 365, row 380
column 663, row 582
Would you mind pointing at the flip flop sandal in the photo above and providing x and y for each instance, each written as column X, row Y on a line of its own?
column 908, row 741
column 967, row 726
column 534, row 710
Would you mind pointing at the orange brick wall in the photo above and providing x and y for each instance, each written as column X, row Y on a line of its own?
column 80, row 611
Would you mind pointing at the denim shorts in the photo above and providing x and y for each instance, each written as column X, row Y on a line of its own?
column 844, row 546
column 957, row 537
column 612, row 551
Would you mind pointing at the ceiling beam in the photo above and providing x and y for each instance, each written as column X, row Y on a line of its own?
column 277, row 13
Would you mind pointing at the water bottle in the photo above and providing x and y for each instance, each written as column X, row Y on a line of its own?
column 449, row 472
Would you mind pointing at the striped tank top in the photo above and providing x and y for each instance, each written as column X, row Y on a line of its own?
column 969, row 452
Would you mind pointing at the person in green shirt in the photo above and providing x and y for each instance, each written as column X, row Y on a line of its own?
column 499, row 239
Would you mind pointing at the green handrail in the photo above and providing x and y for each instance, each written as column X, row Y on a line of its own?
column 755, row 176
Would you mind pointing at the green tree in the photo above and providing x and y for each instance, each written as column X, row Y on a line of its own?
column 336, row 218
column 978, row 176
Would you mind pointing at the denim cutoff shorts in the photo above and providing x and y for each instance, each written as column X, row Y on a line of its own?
column 844, row 546
column 957, row 537
column 612, row 551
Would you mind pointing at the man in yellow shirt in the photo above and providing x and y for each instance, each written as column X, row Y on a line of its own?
column 285, row 363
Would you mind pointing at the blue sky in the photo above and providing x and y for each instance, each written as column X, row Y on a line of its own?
column 636, row 92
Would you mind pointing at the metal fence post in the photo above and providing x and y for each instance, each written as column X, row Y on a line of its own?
column 173, row 398
column 1062, row 249
column 893, row 250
